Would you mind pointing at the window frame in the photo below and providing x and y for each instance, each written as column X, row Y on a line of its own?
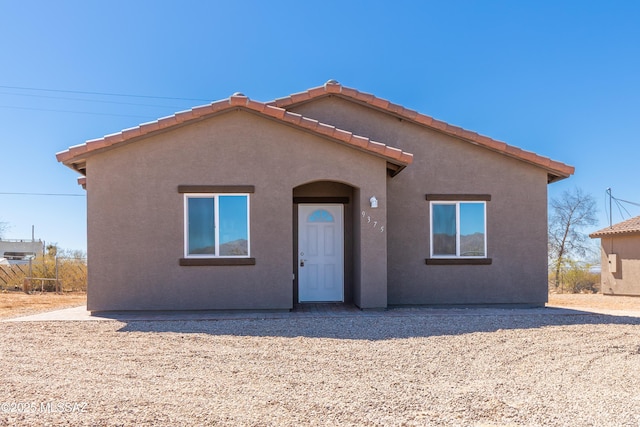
column 456, row 203
column 216, row 237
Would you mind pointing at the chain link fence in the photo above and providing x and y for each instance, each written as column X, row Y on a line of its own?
column 46, row 274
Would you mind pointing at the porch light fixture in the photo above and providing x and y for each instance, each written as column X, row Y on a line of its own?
column 373, row 201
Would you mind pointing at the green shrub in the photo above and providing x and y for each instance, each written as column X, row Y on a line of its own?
column 577, row 278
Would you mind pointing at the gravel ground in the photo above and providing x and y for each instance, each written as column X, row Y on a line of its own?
column 447, row 369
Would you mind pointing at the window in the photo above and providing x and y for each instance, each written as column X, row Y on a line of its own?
column 216, row 225
column 320, row 215
column 458, row 229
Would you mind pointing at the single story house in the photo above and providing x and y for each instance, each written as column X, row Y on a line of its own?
column 326, row 195
column 620, row 257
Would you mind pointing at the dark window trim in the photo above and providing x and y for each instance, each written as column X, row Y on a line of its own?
column 339, row 200
column 459, row 197
column 191, row 262
column 458, row 261
column 216, row 189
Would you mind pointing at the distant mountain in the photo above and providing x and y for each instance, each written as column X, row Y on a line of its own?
column 236, row 247
column 472, row 245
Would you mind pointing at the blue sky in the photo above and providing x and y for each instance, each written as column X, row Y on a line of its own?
column 560, row 78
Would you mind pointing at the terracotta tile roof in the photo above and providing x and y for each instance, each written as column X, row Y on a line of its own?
column 75, row 157
column 630, row 226
column 556, row 170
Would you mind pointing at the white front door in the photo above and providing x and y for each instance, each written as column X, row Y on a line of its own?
column 320, row 253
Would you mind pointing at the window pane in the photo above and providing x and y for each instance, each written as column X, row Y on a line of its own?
column 320, row 215
column 201, row 226
column 472, row 233
column 234, row 229
column 444, row 229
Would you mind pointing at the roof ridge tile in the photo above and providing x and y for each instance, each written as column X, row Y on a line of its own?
column 359, row 140
column 325, row 129
column 333, row 87
column 379, row 102
column 292, row 117
column 256, row 105
column 342, row 135
column 410, row 114
column 276, row 112
column 350, row 92
column 238, row 100
column 299, row 97
column 316, row 92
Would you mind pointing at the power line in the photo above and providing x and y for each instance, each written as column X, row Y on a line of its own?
column 626, row 201
column 623, row 207
column 76, row 112
column 44, row 194
column 103, row 93
column 619, row 205
column 88, row 100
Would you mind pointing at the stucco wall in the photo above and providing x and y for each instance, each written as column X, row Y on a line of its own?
column 626, row 279
column 516, row 214
column 136, row 225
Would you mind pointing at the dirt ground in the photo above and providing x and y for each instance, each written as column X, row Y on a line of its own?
column 598, row 301
column 14, row 303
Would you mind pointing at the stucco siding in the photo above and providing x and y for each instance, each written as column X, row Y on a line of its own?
column 626, row 279
column 516, row 214
column 136, row 224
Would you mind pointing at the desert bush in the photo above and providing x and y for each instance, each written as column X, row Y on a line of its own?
column 576, row 277
column 72, row 272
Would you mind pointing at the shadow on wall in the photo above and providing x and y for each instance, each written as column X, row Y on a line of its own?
column 380, row 326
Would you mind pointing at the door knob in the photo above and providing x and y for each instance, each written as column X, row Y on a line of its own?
column 302, row 262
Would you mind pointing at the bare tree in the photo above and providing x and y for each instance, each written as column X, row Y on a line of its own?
column 570, row 214
column 3, row 228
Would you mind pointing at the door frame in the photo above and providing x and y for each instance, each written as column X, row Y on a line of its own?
column 347, row 253
column 338, row 210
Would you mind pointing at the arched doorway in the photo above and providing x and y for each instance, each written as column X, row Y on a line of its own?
column 323, row 242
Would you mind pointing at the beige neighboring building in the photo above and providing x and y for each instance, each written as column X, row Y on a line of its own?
column 19, row 251
column 620, row 249
column 328, row 195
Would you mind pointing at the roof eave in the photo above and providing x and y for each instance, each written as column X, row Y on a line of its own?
column 601, row 234
column 555, row 177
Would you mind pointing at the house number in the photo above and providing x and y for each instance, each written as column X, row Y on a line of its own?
column 373, row 222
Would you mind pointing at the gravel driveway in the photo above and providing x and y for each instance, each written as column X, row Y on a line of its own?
column 448, row 369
